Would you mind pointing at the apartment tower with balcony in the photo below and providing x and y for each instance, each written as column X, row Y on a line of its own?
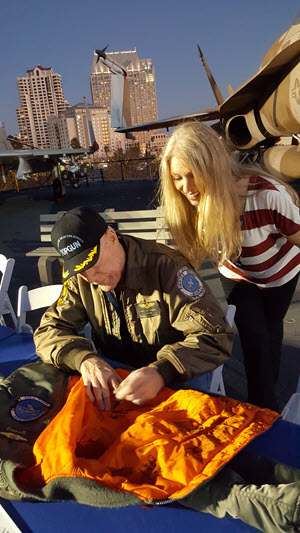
column 41, row 95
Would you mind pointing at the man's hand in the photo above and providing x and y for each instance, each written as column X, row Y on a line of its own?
column 98, row 376
column 140, row 386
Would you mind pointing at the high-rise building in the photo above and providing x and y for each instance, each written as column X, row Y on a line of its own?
column 142, row 89
column 157, row 142
column 72, row 123
column 41, row 95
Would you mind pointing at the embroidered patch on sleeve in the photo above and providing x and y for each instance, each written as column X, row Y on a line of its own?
column 29, row 408
column 189, row 284
column 147, row 309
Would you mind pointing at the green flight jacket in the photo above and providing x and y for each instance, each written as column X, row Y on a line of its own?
column 171, row 317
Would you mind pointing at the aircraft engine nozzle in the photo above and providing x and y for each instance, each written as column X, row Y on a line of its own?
column 279, row 115
column 283, row 162
column 242, row 131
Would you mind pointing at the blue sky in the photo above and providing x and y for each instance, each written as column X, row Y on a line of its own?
column 234, row 36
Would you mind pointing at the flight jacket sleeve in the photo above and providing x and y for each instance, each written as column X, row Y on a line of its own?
column 58, row 339
column 194, row 310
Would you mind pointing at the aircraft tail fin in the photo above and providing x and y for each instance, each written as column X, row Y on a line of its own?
column 24, row 169
column 120, row 101
column 211, row 79
column 230, row 90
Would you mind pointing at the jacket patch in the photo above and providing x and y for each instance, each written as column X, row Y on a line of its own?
column 189, row 284
column 29, row 408
column 147, row 309
column 12, row 435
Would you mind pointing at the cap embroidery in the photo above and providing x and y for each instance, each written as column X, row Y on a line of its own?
column 65, row 273
column 87, row 260
column 75, row 237
column 61, row 300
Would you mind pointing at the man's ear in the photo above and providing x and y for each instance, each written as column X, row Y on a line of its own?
column 111, row 234
column 108, row 237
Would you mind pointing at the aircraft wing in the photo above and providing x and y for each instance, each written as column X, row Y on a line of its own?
column 7, row 155
column 263, row 83
column 34, row 161
column 11, row 157
column 208, row 114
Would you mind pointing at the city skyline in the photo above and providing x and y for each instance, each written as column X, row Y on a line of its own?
column 47, row 121
column 63, row 37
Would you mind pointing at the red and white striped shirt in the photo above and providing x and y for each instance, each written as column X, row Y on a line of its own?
column 268, row 259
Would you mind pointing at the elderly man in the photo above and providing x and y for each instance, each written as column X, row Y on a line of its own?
column 147, row 307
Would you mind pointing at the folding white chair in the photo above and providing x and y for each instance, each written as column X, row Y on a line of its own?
column 32, row 300
column 6, row 308
column 217, row 383
column 291, row 412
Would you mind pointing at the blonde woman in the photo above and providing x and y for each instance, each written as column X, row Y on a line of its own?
column 248, row 223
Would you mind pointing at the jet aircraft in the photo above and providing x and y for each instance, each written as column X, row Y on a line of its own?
column 112, row 64
column 263, row 109
column 33, row 160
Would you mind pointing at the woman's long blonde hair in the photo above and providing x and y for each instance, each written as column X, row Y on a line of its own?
column 214, row 228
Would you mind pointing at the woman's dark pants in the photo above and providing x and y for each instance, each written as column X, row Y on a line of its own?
column 259, row 320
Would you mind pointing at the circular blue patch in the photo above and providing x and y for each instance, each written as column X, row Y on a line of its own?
column 29, row 408
column 189, row 284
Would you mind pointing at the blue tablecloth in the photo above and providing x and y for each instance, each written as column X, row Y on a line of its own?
column 77, row 518
column 6, row 332
column 281, row 442
column 16, row 349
